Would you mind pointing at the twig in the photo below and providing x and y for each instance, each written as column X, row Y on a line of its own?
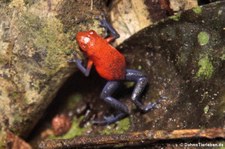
column 132, row 138
column 91, row 4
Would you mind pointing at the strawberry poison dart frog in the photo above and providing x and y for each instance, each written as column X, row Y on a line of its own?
column 110, row 64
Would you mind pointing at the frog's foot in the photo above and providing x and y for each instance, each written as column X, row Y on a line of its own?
column 150, row 105
column 102, row 20
column 141, row 82
column 106, row 95
column 108, row 27
column 110, row 119
column 74, row 59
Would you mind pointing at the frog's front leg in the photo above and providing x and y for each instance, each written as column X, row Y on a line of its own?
column 78, row 62
column 106, row 95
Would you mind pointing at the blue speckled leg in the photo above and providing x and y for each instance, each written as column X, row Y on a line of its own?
column 141, row 82
column 104, row 23
column 85, row 71
column 106, row 94
column 78, row 62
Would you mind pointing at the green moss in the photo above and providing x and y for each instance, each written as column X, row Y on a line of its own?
column 122, row 126
column 29, row 2
column 15, row 95
column 2, row 61
column 222, row 57
column 139, row 67
column 51, row 37
column 73, row 100
column 222, row 145
column 6, row 1
column 206, row 109
column 220, row 12
column 203, row 38
column 182, row 58
column 197, row 10
column 129, row 84
column 2, row 139
column 17, row 119
column 47, row 37
column 75, row 130
column 206, row 68
column 221, row 107
column 175, row 17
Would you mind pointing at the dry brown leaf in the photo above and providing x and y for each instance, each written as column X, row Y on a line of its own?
column 130, row 16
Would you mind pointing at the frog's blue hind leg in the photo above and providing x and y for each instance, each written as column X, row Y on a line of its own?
column 131, row 75
column 141, row 82
column 106, row 95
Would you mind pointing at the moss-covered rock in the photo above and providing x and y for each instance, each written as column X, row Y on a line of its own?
column 34, row 54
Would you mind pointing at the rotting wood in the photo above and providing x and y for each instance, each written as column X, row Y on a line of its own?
column 133, row 138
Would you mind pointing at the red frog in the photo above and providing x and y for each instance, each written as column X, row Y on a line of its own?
column 110, row 64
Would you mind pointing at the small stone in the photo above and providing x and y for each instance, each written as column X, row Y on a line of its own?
column 61, row 124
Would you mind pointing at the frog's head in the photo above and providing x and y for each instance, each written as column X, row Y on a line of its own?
column 86, row 39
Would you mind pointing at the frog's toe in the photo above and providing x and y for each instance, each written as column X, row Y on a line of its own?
column 110, row 119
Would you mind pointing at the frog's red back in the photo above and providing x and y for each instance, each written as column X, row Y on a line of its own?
column 108, row 61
